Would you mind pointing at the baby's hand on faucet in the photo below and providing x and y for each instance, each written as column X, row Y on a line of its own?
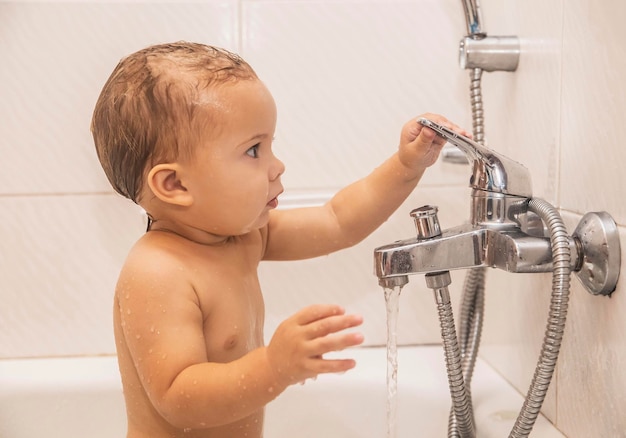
column 299, row 343
column 420, row 146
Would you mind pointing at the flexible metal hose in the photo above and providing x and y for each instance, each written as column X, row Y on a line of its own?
column 470, row 330
column 473, row 302
column 472, row 310
column 556, row 320
column 476, row 100
column 461, row 402
column 473, row 299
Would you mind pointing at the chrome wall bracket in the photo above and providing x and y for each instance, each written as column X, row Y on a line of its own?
column 489, row 53
column 480, row 52
column 598, row 237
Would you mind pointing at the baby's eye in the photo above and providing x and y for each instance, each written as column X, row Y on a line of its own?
column 253, row 151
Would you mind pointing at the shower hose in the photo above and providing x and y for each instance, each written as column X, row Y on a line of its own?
column 461, row 355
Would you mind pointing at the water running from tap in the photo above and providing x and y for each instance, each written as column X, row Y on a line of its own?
column 392, row 298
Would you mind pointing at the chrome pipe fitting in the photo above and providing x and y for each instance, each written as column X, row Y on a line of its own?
column 491, row 53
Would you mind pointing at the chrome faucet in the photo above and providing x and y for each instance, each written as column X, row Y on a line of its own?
column 502, row 232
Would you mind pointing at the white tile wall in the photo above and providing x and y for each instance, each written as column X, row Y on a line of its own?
column 346, row 75
column 593, row 103
column 56, row 58
column 562, row 116
column 522, row 109
column 591, row 383
column 59, row 262
column 64, row 235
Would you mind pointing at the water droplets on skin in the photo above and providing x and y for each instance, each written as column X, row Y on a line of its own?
column 392, row 297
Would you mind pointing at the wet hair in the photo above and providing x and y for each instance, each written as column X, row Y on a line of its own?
column 149, row 108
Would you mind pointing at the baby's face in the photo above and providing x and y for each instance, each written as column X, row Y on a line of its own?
column 234, row 176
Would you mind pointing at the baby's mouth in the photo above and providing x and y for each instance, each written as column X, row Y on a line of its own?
column 273, row 203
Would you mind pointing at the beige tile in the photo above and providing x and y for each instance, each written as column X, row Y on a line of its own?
column 347, row 78
column 588, row 382
column 516, row 314
column 522, row 108
column 594, row 101
column 592, row 383
column 522, row 122
column 59, row 263
column 56, row 58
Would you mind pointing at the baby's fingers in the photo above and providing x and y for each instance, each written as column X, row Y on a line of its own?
column 333, row 365
column 445, row 122
column 321, row 346
column 332, row 324
column 316, row 312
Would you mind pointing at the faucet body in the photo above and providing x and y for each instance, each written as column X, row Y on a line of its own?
column 505, row 231
column 502, row 232
column 469, row 246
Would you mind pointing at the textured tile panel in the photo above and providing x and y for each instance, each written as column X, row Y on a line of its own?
column 594, row 102
column 522, row 108
column 56, row 58
column 59, row 262
column 346, row 78
column 591, row 379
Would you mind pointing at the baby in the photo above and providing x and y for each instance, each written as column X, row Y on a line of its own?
column 185, row 130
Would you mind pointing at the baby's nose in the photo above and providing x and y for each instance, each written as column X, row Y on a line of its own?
column 277, row 169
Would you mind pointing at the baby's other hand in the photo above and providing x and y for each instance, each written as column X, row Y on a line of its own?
column 420, row 146
column 299, row 343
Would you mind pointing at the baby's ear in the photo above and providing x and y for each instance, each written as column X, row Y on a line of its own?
column 164, row 181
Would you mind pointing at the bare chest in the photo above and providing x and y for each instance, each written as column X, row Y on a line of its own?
column 233, row 310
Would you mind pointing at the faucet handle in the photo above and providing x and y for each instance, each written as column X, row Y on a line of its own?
column 426, row 222
column 491, row 171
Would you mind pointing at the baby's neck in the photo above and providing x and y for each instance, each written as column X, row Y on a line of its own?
column 195, row 235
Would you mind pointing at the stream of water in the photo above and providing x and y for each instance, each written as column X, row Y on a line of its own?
column 392, row 297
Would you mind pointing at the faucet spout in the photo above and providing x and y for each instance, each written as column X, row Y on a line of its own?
column 456, row 248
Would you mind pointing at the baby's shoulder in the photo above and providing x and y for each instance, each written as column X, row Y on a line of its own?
column 154, row 265
column 166, row 252
column 146, row 259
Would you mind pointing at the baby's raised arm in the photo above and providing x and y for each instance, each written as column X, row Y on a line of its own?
column 358, row 209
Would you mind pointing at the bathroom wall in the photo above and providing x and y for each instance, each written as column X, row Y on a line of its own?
column 561, row 114
column 346, row 75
